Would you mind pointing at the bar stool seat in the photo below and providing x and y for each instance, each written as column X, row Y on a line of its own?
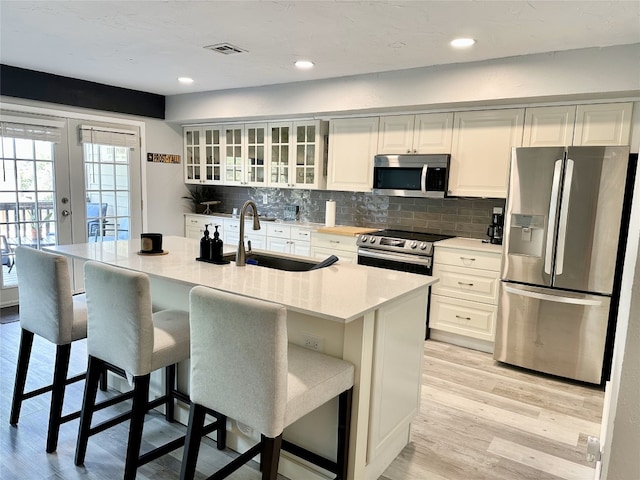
column 50, row 310
column 126, row 336
column 243, row 367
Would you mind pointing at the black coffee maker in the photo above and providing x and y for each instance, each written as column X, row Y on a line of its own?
column 495, row 230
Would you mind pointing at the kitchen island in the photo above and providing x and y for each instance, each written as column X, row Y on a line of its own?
column 371, row 317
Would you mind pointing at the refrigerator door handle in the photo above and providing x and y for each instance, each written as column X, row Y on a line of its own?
column 564, row 212
column 553, row 298
column 551, row 223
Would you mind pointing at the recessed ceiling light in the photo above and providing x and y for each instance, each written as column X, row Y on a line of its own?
column 185, row 80
column 462, row 42
column 304, row 64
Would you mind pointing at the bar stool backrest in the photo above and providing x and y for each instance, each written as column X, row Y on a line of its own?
column 44, row 288
column 239, row 358
column 119, row 317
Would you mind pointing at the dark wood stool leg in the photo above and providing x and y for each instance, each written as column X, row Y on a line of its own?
column 26, row 341
column 270, row 457
column 94, row 369
column 344, row 431
column 221, row 434
column 63, row 353
column 169, row 386
column 103, row 379
column 192, row 442
column 138, row 412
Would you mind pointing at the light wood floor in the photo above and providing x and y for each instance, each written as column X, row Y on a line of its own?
column 479, row 420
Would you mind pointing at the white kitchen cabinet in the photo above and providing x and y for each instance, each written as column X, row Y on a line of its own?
column 194, row 225
column 297, row 154
column 426, row 133
column 352, row 146
column 549, row 126
column 464, row 303
column 244, row 148
column 203, row 155
column 344, row 247
column 289, row 239
column 481, row 150
column 231, row 233
column 603, row 124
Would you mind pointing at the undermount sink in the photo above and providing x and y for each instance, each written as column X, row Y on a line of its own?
column 280, row 262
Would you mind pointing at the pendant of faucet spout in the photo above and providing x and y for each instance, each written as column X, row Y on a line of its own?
column 241, row 255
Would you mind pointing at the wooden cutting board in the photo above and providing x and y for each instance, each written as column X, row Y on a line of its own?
column 346, row 230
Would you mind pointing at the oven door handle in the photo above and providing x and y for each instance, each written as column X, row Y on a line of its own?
column 397, row 257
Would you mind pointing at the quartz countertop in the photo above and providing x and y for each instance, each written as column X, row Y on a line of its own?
column 341, row 292
column 296, row 223
column 469, row 244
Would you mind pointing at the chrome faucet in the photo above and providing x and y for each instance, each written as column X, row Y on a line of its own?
column 241, row 254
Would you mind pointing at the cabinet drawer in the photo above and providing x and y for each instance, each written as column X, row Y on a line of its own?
column 466, row 283
column 467, row 258
column 278, row 231
column 462, row 317
column 336, row 242
column 200, row 221
column 300, row 234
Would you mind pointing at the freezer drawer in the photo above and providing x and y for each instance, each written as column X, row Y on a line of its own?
column 552, row 331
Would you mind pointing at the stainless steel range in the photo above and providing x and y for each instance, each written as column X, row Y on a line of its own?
column 398, row 250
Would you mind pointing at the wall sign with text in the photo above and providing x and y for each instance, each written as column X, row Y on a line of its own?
column 163, row 158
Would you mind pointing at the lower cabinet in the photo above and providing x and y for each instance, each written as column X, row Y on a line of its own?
column 464, row 303
column 344, row 247
column 289, row 239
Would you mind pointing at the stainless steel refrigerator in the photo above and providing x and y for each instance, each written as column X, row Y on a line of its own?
column 561, row 235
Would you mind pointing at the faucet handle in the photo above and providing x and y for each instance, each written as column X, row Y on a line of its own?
column 248, row 246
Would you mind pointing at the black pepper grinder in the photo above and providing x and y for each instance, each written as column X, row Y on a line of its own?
column 205, row 245
column 216, row 246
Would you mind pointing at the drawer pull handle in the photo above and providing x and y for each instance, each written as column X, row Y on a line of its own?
column 334, row 241
column 464, row 259
column 463, row 318
column 465, row 284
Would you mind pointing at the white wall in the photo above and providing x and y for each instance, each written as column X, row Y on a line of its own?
column 578, row 74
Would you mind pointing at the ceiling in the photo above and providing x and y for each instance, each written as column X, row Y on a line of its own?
column 146, row 45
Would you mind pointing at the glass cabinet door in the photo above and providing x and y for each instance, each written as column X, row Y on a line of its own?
column 280, row 164
column 306, row 145
column 192, row 156
column 256, row 145
column 213, row 155
column 234, row 174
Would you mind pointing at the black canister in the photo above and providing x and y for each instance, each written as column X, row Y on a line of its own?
column 205, row 245
column 216, row 246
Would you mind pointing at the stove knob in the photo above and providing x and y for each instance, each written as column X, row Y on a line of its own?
column 414, row 244
column 423, row 246
column 373, row 239
column 364, row 239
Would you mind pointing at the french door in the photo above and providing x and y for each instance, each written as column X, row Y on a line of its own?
column 65, row 181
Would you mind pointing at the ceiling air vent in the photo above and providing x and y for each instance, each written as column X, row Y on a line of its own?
column 225, row 48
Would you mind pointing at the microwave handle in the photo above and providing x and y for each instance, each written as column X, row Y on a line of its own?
column 423, row 178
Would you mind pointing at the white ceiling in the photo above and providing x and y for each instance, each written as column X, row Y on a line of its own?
column 146, row 45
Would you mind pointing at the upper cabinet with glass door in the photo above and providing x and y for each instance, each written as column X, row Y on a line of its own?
column 245, row 154
column 297, row 154
column 203, row 155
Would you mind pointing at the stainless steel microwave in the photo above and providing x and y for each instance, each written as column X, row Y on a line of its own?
column 424, row 176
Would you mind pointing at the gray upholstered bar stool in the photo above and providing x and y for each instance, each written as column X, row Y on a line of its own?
column 243, row 367
column 47, row 309
column 124, row 335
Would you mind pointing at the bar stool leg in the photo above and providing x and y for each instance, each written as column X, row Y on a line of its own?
column 138, row 412
column 63, row 353
column 26, row 342
column 270, row 457
column 88, row 404
column 169, row 386
column 192, row 442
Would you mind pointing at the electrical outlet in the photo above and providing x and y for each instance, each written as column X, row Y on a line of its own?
column 265, row 198
column 312, row 342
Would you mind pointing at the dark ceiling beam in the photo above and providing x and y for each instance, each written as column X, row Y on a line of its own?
column 46, row 87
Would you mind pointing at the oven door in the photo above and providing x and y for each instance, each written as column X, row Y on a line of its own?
column 395, row 261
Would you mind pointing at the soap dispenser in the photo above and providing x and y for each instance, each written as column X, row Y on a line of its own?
column 216, row 246
column 205, row 245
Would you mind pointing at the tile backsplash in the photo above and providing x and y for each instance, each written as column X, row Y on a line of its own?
column 462, row 217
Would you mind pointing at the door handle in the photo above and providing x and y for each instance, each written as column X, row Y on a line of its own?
column 554, row 298
column 423, row 178
column 551, row 222
column 564, row 212
column 65, row 213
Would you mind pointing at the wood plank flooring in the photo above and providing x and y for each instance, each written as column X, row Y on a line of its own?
column 479, row 420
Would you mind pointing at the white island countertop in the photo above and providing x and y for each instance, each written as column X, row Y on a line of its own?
column 340, row 292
